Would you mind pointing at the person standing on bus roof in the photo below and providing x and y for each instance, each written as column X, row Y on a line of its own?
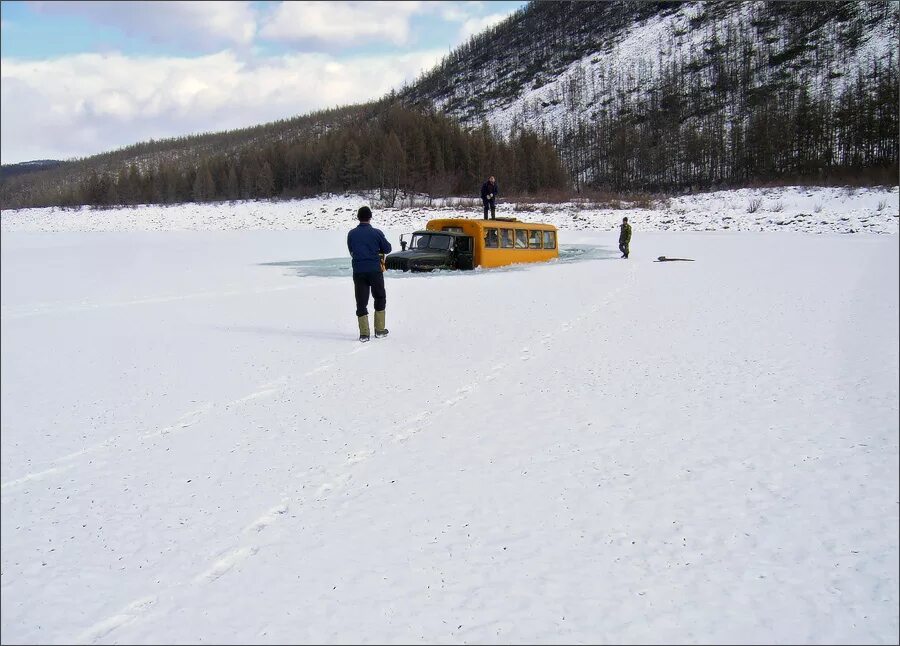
column 624, row 237
column 489, row 192
column 367, row 247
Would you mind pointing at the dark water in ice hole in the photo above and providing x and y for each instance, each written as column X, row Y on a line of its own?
column 340, row 267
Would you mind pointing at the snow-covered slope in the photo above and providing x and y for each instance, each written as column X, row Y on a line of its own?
column 685, row 95
column 631, row 60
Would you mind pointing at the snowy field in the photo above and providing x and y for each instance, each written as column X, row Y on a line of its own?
column 799, row 209
column 195, row 448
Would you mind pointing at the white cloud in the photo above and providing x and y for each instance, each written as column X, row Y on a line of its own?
column 334, row 25
column 90, row 103
column 206, row 25
column 456, row 11
column 84, row 104
column 473, row 26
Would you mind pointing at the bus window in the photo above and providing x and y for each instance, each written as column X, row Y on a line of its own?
column 549, row 239
column 534, row 239
column 506, row 238
column 521, row 239
column 490, row 238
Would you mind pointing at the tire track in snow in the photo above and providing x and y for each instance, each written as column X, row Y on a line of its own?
column 145, row 607
column 40, row 309
column 340, row 477
column 184, row 421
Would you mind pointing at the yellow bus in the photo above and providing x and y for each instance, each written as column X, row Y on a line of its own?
column 462, row 243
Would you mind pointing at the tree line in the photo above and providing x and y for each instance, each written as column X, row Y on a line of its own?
column 726, row 115
column 380, row 146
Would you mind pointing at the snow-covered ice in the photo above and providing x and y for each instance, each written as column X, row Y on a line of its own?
column 195, row 448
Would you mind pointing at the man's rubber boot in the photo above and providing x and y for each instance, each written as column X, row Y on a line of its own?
column 363, row 327
column 380, row 330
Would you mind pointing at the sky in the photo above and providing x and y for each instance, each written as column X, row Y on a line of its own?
column 81, row 78
column 196, row 448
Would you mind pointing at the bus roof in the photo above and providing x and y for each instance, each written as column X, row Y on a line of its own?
column 481, row 223
column 455, row 234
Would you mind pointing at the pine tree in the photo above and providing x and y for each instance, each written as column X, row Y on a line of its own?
column 204, row 188
column 351, row 169
column 265, row 181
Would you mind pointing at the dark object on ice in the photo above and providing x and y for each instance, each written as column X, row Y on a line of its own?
column 664, row 259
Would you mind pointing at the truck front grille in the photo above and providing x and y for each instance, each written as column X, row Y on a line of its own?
column 397, row 263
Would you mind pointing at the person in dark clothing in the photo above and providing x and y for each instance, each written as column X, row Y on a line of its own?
column 367, row 247
column 624, row 237
column 489, row 192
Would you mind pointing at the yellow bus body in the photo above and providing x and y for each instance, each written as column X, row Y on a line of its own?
column 505, row 253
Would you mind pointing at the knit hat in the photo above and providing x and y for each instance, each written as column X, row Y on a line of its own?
column 364, row 214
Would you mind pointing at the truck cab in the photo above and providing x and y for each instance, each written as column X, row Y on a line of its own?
column 430, row 250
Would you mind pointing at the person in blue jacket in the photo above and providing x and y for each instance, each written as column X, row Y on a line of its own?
column 489, row 196
column 367, row 247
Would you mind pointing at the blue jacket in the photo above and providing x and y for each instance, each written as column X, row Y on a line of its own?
column 366, row 243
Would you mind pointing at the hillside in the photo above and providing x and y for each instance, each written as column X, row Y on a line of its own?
column 677, row 95
column 12, row 170
column 382, row 145
column 663, row 97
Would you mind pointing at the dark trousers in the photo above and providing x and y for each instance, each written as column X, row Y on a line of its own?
column 623, row 247
column 488, row 203
column 364, row 283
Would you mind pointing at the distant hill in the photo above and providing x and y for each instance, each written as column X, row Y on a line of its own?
column 627, row 96
column 381, row 145
column 11, row 170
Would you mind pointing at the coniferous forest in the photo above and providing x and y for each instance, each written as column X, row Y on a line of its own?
column 722, row 93
column 380, row 146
